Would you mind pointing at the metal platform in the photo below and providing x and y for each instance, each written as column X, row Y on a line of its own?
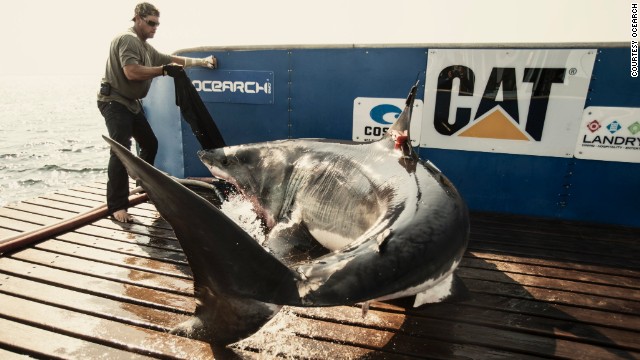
column 537, row 289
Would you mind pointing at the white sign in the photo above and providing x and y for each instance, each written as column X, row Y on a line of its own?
column 518, row 101
column 372, row 117
column 609, row 133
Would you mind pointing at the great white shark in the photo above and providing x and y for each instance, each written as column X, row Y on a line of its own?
column 347, row 223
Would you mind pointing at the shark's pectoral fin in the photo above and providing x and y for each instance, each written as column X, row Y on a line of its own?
column 292, row 243
column 450, row 288
column 222, row 256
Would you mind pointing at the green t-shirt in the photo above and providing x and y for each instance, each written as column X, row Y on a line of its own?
column 128, row 49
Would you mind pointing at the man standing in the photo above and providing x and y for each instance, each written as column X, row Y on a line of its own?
column 131, row 66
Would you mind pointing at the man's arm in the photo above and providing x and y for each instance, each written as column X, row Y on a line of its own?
column 210, row 61
column 179, row 60
column 136, row 72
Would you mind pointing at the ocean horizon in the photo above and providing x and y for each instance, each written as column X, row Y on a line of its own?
column 50, row 135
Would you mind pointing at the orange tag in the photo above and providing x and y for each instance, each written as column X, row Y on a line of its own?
column 401, row 140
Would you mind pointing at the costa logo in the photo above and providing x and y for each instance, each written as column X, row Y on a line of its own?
column 372, row 117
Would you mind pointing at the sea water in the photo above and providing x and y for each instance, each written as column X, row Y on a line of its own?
column 50, row 135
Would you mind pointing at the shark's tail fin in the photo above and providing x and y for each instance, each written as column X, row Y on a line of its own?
column 223, row 257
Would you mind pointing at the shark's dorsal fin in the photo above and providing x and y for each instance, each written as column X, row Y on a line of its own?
column 400, row 133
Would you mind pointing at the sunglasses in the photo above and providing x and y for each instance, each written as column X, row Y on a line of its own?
column 151, row 23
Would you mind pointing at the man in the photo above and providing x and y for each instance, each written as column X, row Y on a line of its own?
column 131, row 66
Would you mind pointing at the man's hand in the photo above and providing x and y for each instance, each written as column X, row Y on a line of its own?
column 173, row 70
column 210, row 62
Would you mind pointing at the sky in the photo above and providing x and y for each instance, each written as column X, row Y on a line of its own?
column 73, row 36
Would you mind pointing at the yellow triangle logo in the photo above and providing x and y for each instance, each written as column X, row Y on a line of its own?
column 495, row 126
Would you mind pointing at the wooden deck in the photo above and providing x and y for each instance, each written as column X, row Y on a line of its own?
column 537, row 289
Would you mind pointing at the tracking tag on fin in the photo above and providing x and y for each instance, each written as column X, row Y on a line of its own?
column 365, row 309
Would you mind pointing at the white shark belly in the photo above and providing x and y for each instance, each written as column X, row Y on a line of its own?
column 330, row 240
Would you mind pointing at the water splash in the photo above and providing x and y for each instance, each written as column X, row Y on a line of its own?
column 241, row 211
column 274, row 339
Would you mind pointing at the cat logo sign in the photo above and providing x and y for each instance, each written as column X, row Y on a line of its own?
column 510, row 101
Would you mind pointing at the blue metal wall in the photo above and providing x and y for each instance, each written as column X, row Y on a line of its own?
column 313, row 93
column 603, row 190
column 324, row 83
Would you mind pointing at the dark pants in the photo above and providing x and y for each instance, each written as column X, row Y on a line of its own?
column 122, row 124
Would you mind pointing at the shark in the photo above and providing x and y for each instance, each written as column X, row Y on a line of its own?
column 346, row 223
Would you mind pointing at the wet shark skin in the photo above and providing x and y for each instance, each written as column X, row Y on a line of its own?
column 403, row 222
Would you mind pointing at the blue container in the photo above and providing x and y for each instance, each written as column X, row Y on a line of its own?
column 267, row 94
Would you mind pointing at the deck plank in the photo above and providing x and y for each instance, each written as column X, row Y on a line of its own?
column 14, row 225
column 117, row 256
column 520, row 291
column 452, row 329
column 33, row 341
column 515, row 249
column 29, row 219
column 126, row 247
column 9, row 355
column 154, row 280
column 93, row 304
column 551, row 283
column 537, row 324
column 571, row 230
column 596, row 269
column 103, row 331
column 6, row 232
column 58, row 210
column 540, row 270
column 351, row 339
column 122, row 235
column 616, row 255
column 553, row 311
column 98, row 286
column 537, row 288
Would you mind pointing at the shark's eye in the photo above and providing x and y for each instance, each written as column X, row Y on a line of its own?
column 225, row 162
